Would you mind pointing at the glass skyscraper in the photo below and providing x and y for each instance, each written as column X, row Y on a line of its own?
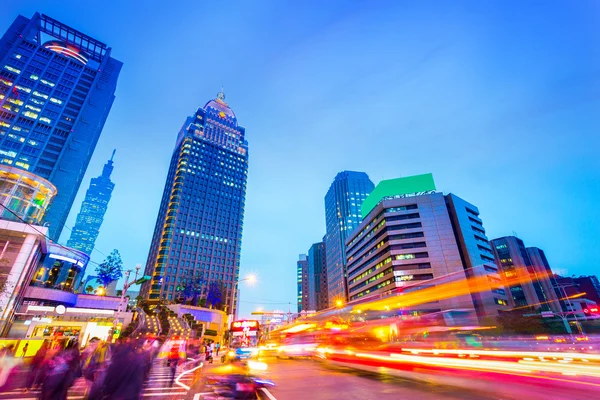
column 198, row 233
column 90, row 217
column 57, row 87
column 342, row 214
column 317, row 278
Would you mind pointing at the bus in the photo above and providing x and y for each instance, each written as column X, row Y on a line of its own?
column 244, row 336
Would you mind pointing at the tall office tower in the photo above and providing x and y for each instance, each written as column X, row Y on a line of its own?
column 476, row 255
column 536, row 289
column 342, row 214
column 198, row 233
column 90, row 217
column 57, row 86
column 302, row 272
column 407, row 240
column 317, row 278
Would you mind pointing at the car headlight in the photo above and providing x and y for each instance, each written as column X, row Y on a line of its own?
column 231, row 354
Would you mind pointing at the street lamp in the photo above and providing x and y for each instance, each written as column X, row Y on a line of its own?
column 251, row 279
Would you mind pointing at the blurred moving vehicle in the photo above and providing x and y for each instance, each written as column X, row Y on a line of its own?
column 239, row 380
column 243, row 341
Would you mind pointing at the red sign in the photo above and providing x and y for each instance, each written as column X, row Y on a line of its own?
column 244, row 325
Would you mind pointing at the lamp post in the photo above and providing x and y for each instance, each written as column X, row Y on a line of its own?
column 572, row 311
column 249, row 278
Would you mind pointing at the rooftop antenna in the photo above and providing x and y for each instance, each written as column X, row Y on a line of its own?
column 113, row 154
column 221, row 95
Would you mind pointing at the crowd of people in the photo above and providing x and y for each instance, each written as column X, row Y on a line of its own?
column 111, row 371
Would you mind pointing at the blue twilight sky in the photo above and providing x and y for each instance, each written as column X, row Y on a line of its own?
column 500, row 100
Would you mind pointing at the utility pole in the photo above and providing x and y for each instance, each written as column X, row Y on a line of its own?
column 126, row 286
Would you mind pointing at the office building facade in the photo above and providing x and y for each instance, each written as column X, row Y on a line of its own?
column 57, row 86
column 477, row 256
column 89, row 220
column 317, row 278
column 302, row 281
column 198, row 233
column 413, row 237
column 343, row 214
column 536, row 287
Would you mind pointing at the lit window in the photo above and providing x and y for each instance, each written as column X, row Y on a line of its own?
column 15, row 101
column 25, row 89
column 46, row 120
column 34, row 77
column 30, row 107
column 30, row 114
column 38, row 94
column 12, row 69
column 405, row 256
column 45, row 82
column 8, row 153
column 22, row 165
column 6, row 82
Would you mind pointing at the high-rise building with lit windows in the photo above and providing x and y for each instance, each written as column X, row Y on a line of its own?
column 90, row 217
column 317, row 278
column 302, row 281
column 536, row 288
column 198, row 233
column 57, row 87
column 342, row 214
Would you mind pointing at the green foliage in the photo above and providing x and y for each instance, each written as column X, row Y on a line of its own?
column 210, row 332
column 111, row 268
column 89, row 289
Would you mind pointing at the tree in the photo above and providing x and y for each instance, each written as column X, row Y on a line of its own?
column 89, row 289
column 111, row 268
column 214, row 299
column 192, row 289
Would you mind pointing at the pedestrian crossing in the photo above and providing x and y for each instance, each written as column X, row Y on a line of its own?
column 158, row 385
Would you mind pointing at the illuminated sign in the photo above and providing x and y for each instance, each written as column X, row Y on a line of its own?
column 245, row 325
column 66, row 50
column 398, row 187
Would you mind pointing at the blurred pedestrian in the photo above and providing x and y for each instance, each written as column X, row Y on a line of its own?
column 217, row 347
column 173, row 362
column 34, row 377
column 7, row 363
column 25, row 349
column 62, row 371
column 125, row 376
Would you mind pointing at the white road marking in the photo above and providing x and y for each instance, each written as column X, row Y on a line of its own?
column 160, row 394
column 269, row 395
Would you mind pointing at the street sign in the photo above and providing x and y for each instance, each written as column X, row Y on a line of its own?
column 143, row 279
column 547, row 314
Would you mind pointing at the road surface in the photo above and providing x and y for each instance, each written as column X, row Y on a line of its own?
column 307, row 379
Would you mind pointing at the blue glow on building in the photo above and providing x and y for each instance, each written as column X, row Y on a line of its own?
column 342, row 214
column 90, row 217
column 57, row 87
column 198, row 233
